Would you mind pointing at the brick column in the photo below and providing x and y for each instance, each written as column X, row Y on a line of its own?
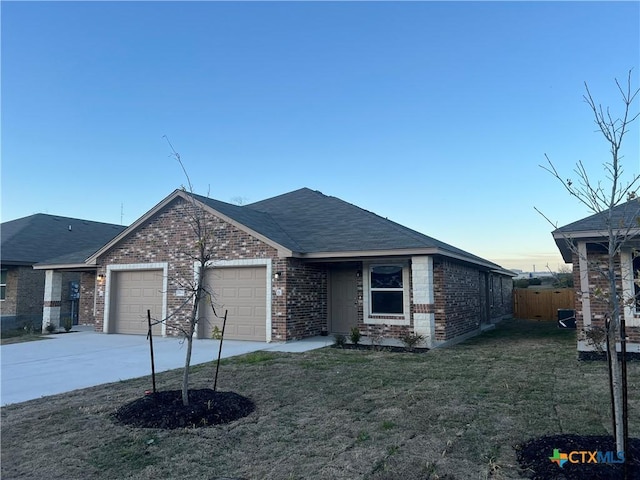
column 52, row 299
column 423, row 299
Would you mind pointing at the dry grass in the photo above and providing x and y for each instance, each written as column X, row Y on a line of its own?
column 454, row 413
column 20, row 335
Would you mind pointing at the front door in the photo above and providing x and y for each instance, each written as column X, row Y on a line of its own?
column 344, row 300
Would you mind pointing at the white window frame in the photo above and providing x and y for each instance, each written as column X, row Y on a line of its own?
column 386, row 318
column 631, row 312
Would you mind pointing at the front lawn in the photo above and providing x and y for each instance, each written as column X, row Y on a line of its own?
column 453, row 413
column 20, row 335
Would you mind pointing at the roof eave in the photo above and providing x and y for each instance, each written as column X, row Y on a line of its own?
column 401, row 252
column 594, row 234
column 65, row 266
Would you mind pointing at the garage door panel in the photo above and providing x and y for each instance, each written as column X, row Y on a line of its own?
column 149, row 292
column 245, row 312
column 135, row 293
column 247, row 293
column 228, row 274
column 242, row 292
column 245, row 330
column 246, row 274
column 229, row 292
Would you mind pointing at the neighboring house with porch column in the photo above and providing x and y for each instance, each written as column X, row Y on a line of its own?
column 294, row 266
column 37, row 297
column 584, row 243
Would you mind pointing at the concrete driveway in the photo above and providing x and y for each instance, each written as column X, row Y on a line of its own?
column 66, row 362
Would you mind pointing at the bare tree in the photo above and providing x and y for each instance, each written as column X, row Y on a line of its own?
column 201, row 251
column 602, row 196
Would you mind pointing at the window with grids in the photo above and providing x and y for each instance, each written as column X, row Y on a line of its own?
column 386, row 290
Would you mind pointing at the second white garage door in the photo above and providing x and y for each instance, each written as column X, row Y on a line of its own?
column 242, row 291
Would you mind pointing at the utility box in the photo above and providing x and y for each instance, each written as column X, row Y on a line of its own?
column 566, row 318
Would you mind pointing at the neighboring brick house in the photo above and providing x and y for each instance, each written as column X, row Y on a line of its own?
column 584, row 244
column 30, row 240
column 294, row 266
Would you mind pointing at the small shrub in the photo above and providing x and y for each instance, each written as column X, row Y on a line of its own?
column 50, row 328
column 596, row 336
column 411, row 340
column 68, row 324
column 355, row 335
column 216, row 334
column 28, row 328
column 339, row 340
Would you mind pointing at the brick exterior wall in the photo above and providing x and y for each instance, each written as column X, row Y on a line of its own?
column 307, row 289
column 24, row 296
column 168, row 237
column 457, row 299
column 86, row 314
column 597, row 281
column 10, row 303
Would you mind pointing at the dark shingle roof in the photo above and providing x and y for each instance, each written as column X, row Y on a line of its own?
column 624, row 215
column 254, row 219
column 41, row 237
column 307, row 221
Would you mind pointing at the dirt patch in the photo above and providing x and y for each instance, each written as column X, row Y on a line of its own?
column 165, row 409
column 534, row 458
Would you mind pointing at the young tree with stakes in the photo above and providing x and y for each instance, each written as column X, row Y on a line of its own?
column 602, row 197
column 202, row 253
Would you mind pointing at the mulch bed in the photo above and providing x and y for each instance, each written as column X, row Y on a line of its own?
column 602, row 356
column 533, row 457
column 165, row 409
column 380, row 348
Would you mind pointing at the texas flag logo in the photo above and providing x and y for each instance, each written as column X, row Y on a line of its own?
column 559, row 458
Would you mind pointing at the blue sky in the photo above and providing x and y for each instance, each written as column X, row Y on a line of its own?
column 435, row 115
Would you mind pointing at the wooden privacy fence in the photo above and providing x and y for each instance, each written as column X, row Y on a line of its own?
column 542, row 304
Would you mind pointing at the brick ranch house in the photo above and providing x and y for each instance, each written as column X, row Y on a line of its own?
column 584, row 244
column 293, row 266
column 30, row 240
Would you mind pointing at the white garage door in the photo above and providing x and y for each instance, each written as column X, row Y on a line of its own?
column 136, row 292
column 242, row 291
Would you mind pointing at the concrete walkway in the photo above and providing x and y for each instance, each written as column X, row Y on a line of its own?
column 66, row 362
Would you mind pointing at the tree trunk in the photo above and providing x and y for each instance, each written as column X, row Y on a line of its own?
column 615, row 373
column 616, row 380
column 185, row 373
